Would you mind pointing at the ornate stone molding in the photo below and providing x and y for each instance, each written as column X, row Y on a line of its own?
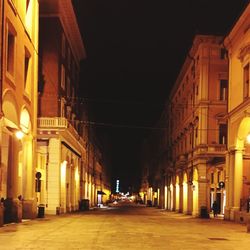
column 245, row 50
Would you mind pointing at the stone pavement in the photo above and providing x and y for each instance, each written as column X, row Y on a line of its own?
column 125, row 227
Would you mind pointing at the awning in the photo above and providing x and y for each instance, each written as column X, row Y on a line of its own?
column 100, row 192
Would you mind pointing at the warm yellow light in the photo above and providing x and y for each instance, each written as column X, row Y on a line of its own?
column 63, row 171
column 19, row 134
column 77, row 175
column 248, row 138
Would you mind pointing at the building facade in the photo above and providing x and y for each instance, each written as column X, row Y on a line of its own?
column 69, row 165
column 61, row 150
column 19, row 64
column 48, row 157
column 238, row 160
column 190, row 164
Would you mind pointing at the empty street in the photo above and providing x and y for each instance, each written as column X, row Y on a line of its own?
column 124, row 226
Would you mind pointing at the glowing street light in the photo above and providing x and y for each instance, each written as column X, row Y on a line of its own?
column 248, row 138
column 18, row 132
column 19, row 135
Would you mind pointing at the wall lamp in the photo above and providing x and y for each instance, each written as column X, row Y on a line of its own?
column 18, row 132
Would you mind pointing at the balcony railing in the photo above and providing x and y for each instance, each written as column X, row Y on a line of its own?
column 52, row 122
column 57, row 123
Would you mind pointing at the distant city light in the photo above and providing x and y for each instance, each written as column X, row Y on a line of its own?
column 117, row 186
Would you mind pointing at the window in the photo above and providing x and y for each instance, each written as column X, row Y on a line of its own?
column 68, row 87
column 197, row 60
column 69, row 57
column 223, row 53
column 223, row 89
column 222, row 133
column 62, row 107
column 218, row 177
column 246, row 81
column 212, row 178
column 27, row 72
column 62, row 77
column 63, row 45
column 196, row 136
column 193, row 70
column 10, row 52
column 28, row 17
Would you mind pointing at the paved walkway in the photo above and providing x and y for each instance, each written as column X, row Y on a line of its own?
column 125, row 227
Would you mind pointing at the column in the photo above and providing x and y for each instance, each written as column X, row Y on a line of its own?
column 54, row 176
column 229, row 183
column 237, row 186
column 28, row 179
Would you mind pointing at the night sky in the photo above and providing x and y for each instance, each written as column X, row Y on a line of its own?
column 135, row 49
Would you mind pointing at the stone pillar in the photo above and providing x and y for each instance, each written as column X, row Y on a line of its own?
column 54, row 175
column 12, row 205
column 28, row 202
column 229, row 183
column 234, row 184
column 202, row 181
column 174, row 198
column 189, row 193
column 238, row 183
column 181, row 196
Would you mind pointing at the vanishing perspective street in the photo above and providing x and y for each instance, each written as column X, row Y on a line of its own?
column 125, row 226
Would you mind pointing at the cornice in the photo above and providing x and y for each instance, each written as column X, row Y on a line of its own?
column 63, row 9
column 244, row 51
column 241, row 25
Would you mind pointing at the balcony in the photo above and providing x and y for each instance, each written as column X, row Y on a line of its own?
column 57, row 123
column 210, row 150
column 52, row 122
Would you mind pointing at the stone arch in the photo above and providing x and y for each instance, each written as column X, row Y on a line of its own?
column 10, row 108
column 185, row 192
column 25, row 122
column 241, row 188
column 243, row 131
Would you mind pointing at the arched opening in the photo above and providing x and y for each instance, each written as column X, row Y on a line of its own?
column 185, row 193
column 242, row 159
column 171, row 196
column 10, row 157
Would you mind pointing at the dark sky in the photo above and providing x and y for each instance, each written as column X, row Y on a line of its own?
column 135, row 49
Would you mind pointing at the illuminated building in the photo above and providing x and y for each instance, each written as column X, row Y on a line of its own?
column 237, row 43
column 205, row 153
column 61, row 139
column 18, row 124
column 188, row 160
column 69, row 160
